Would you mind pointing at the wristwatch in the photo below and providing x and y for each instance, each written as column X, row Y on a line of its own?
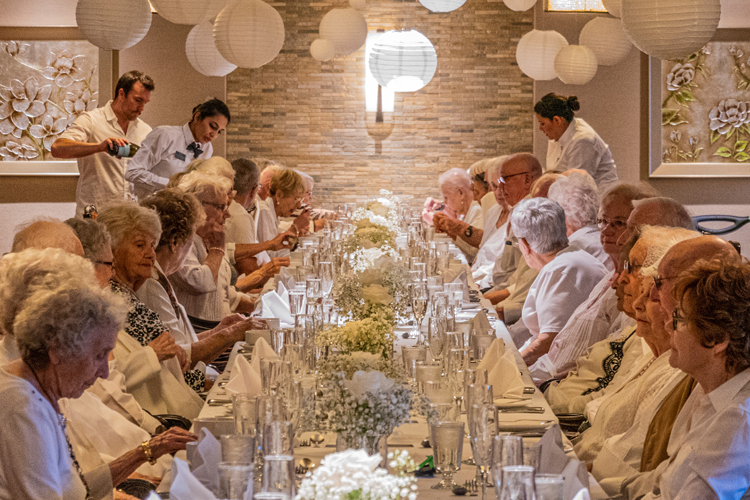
column 469, row 231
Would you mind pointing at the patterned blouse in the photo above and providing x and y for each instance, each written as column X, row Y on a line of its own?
column 144, row 325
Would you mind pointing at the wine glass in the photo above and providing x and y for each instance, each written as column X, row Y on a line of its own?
column 507, row 450
column 447, row 446
column 436, row 337
column 482, row 430
column 419, row 301
column 326, row 275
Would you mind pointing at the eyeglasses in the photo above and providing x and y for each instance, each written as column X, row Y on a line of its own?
column 629, row 267
column 659, row 281
column 217, row 206
column 504, row 178
column 614, row 224
column 677, row 318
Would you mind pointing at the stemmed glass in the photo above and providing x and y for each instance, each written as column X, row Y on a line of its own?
column 447, row 446
column 436, row 338
column 507, row 450
column 326, row 275
column 482, row 431
column 419, row 301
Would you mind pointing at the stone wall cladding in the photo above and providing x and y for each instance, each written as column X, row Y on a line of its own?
column 311, row 115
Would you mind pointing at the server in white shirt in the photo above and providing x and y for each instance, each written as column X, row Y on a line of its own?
column 94, row 133
column 572, row 141
column 169, row 149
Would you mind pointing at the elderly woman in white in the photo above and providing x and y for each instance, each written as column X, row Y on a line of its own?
column 480, row 184
column 566, row 275
column 63, row 334
column 455, row 186
column 286, row 192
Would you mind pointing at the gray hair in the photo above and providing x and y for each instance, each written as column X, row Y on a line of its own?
column 264, row 163
column 93, row 235
column 204, row 185
column 578, row 195
column 216, row 165
column 45, row 232
column 121, row 218
column 629, row 192
column 659, row 240
column 23, row 273
column 246, row 175
column 541, row 222
column 493, row 167
column 454, row 179
column 663, row 211
column 65, row 319
column 307, row 180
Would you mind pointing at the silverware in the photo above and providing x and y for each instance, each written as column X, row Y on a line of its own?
column 529, row 390
column 219, row 402
column 522, row 409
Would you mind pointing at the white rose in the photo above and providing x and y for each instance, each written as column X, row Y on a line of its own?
column 371, row 381
column 351, row 461
column 377, row 294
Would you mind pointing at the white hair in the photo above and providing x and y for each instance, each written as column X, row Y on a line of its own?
column 578, row 195
column 493, row 167
column 93, row 235
column 216, row 165
column 455, row 179
column 658, row 241
column 541, row 222
column 307, row 180
column 479, row 167
column 203, row 185
column 664, row 211
column 121, row 218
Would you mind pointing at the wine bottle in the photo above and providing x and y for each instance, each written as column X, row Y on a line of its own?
column 127, row 151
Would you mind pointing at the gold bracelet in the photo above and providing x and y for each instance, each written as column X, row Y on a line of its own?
column 146, row 447
column 217, row 248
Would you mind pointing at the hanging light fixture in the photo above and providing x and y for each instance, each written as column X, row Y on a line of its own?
column 113, row 25
column 322, row 50
column 670, row 29
column 536, row 53
column 442, row 5
column 607, row 39
column 188, row 11
column 345, row 28
column 575, row 65
column 202, row 52
column 249, row 33
column 403, row 61
column 519, row 5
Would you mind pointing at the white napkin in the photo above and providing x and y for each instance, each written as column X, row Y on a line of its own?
column 576, row 477
column 282, row 291
column 184, row 484
column 583, row 494
column 287, row 277
column 505, row 379
column 493, row 354
column 244, row 379
column 275, row 307
column 481, row 324
column 206, row 461
column 552, row 459
column 457, row 276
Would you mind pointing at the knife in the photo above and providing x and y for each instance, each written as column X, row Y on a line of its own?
column 522, row 409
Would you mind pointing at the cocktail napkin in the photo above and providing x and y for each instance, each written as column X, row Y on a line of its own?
column 493, row 354
column 245, row 379
column 505, row 379
column 206, row 461
column 273, row 306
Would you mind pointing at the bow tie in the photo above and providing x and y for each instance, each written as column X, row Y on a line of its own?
column 196, row 149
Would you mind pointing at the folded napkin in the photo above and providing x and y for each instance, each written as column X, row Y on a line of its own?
column 576, row 477
column 273, row 306
column 505, row 379
column 262, row 349
column 583, row 494
column 553, row 460
column 457, row 276
column 185, row 486
column 244, row 379
column 282, row 292
column 491, row 357
column 205, row 462
column 481, row 324
column 286, row 276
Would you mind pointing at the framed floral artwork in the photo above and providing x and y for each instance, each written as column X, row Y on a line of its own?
column 699, row 111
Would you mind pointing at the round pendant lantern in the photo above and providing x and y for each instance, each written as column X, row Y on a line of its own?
column 322, row 50
column 113, row 25
column 519, row 5
column 575, row 65
column 442, row 5
column 607, row 39
column 345, row 28
column 536, row 53
column 403, row 61
column 612, row 6
column 249, row 33
column 670, row 29
column 202, row 52
column 188, row 11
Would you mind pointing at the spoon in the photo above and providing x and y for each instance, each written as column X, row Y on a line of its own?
column 307, row 464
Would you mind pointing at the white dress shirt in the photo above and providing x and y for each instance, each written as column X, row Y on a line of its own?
column 240, row 228
column 493, row 241
column 163, row 153
column 589, row 323
column 588, row 238
column 267, row 225
column 581, row 147
column 510, row 257
column 101, row 176
column 561, row 286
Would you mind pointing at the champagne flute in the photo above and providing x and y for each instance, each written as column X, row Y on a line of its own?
column 419, row 301
column 482, row 430
column 326, row 274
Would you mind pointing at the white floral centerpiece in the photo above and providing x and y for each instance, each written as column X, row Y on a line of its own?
column 373, row 334
column 354, row 475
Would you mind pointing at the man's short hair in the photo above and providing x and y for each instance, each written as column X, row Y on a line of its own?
column 130, row 78
column 246, row 175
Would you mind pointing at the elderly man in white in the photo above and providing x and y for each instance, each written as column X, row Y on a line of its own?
column 566, row 275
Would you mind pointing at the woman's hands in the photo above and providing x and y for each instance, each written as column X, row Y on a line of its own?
column 445, row 224
column 171, row 441
column 272, row 268
column 165, row 347
column 212, row 234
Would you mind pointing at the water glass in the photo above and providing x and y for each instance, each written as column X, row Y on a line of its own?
column 296, row 302
column 507, row 450
column 436, row 336
column 438, row 392
column 237, row 449
column 411, row 355
column 548, row 486
column 426, row 372
column 458, row 359
column 277, row 341
column 271, row 496
column 447, row 447
column 326, row 275
column 312, row 288
column 267, row 409
column 270, row 375
column 235, row 480
column 518, row 483
column 532, row 454
column 482, row 343
column 244, row 408
column 421, row 268
column 278, row 439
column 294, row 400
column 278, row 475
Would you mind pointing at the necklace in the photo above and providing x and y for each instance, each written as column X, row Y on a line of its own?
column 62, row 421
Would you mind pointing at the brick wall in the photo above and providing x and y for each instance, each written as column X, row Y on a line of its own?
column 311, row 115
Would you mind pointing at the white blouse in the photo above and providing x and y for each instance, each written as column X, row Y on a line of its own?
column 267, row 225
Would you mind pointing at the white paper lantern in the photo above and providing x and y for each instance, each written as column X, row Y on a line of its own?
column 612, row 6
column 113, row 25
column 322, row 50
column 670, row 29
column 403, row 61
column 249, row 33
column 442, row 5
column 575, row 65
column 202, row 52
column 519, row 5
column 346, row 28
column 607, row 39
column 536, row 53
column 358, row 4
column 188, row 11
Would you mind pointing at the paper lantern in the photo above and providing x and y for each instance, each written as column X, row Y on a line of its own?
column 612, row 6
column 358, row 4
column 249, row 33
column 536, row 53
column 519, row 5
column 670, row 29
column 322, row 50
column 346, row 28
column 607, row 39
column 575, row 65
column 188, row 11
column 113, row 25
column 403, row 61
column 442, row 5
column 202, row 52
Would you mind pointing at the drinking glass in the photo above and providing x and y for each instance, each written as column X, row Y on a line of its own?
column 312, row 289
column 436, row 337
column 270, row 374
column 482, row 343
column 447, row 446
column 267, row 409
column 243, row 408
column 438, row 392
column 277, row 341
column 548, row 486
column 426, row 372
column 235, row 480
column 421, row 268
column 278, row 475
column 237, row 449
column 518, row 483
column 293, row 354
column 296, row 302
column 271, row 496
column 458, row 359
column 411, row 355
column 278, row 439
column 507, row 450
column 326, row 274
column 482, row 428
column 294, row 401
column 532, row 454
column 419, row 301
